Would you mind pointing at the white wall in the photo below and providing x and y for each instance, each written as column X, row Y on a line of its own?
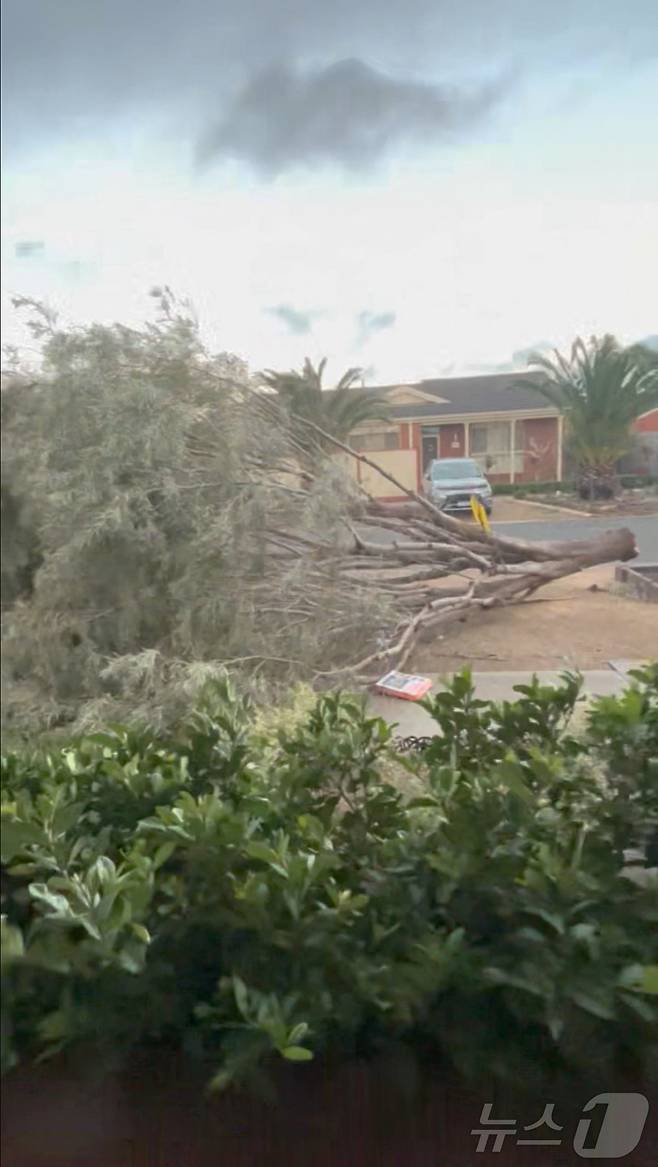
column 402, row 464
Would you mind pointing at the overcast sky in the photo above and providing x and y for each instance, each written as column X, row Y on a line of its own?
column 417, row 188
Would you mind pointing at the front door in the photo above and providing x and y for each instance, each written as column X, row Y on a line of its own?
column 451, row 441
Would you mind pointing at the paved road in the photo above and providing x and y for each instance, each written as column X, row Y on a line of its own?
column 645, row 528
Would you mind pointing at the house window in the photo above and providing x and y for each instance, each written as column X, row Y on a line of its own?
column 491, row 446
column 380, row 440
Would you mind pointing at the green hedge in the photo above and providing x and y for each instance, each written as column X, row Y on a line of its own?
column 250, row 893
column 628, row 481
column 633, row 481
column 521, row 488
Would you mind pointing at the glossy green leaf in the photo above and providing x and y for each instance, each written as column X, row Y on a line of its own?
column 297, row 1053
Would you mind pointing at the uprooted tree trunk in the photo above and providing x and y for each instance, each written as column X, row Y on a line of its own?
column 406, row 550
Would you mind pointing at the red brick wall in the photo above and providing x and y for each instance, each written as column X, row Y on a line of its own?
column 417, row 444
column 538, row 438
column 647, row 424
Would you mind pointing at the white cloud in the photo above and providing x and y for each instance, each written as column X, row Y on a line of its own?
column 477, row 249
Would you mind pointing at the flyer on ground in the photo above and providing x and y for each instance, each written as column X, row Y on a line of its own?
column 404, row 685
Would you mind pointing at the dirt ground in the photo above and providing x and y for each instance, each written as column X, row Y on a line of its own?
column 568, row 624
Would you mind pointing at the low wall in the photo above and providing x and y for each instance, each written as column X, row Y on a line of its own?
column 402, row 464
column 641, row 582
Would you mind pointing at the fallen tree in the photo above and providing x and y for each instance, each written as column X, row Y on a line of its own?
column 423, row 547
column 166, row 517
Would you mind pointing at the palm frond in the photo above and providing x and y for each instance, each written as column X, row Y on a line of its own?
column 350, row 377
column 338, row 411
column 549, row 390
column 600, row 388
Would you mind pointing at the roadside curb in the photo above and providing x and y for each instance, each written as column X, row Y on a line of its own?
column 624, row 667
column 557, row 509
column 547, row 506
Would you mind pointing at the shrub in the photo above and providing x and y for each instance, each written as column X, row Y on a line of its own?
column 627, row 481
column 637, row 481
column 249, row 893
column 520, row 488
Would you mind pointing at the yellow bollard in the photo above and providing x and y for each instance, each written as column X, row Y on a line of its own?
column 480, row 515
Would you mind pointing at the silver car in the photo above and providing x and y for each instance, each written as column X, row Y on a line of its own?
column 452, row 482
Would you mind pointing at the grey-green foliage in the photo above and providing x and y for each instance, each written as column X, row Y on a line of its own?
column 138, row 478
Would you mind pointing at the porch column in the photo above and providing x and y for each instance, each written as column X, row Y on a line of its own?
column 467, row 439
column 512, row 467
column 560, row 444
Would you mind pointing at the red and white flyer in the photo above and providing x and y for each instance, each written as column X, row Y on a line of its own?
column 405, row 686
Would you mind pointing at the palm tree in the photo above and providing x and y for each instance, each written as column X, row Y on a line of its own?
column 337, row 411
column 645, row 353
column 600, row 389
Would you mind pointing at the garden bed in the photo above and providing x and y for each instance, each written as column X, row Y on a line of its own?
column 634, row 497
column 639, row 501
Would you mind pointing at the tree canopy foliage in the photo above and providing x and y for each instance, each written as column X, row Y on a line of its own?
column 139, row 476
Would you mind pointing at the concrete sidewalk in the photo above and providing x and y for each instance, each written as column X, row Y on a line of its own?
column 412, row 720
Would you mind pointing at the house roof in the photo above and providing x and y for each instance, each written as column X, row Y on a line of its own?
column 491, row 393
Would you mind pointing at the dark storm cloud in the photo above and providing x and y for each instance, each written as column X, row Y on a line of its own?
column 346, row 113
column 297, row 322
column 71, row 65
column 369, row 323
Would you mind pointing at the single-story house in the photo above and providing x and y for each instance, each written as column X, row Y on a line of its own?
column 511, row 431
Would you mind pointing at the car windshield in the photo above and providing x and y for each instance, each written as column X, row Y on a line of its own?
column 455, row 468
